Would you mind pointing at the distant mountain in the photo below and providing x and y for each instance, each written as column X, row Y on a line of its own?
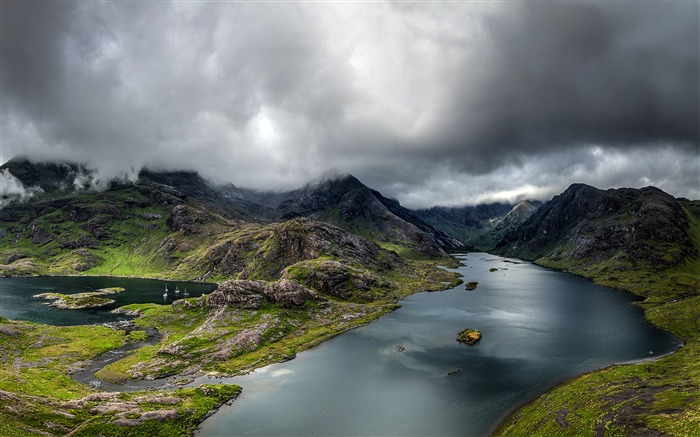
column 615, row 235
column 343, row 201
column 481, row 226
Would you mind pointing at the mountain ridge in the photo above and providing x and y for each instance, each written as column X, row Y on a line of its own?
column 342, row 200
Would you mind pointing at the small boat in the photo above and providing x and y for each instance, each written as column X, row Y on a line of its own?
column 177, row 290
column 186, row 293
column 166, row 287
column 453, row 371
column 165, row 294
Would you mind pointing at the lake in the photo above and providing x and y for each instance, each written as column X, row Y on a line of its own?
column 540, row 327
column 17, row 301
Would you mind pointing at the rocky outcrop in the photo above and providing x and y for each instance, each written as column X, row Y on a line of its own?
column 84, row 260
column 244, row 294
column 14, row 256
column 40, row 235
column 338, row 279
column 187, row 220
column 82, row 241
column 471, row 285
column 288, row 293
column 98, row 227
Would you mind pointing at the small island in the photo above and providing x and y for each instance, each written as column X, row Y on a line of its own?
column 469, row 336
column 493, row 269
column 92, row 299
column 471, row 285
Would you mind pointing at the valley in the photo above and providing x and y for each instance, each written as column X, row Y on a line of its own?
column 294, row 269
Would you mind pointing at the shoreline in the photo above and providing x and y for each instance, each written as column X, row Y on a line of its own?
column 109, row 276
column 636, row 301
column 566, row 381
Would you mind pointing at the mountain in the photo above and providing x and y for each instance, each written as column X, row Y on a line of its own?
column 622, row 228
column 178, row 225
column 46, row 176
column 481, row 226
column 348, row 203
column 283, row 286
column 226, row 197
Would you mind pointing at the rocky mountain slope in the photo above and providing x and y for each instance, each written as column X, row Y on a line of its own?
column 348, row 203
column 343, row 201
column 284, row 286
column 607, row 235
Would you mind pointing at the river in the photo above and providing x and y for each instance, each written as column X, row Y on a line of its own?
column 540, row 327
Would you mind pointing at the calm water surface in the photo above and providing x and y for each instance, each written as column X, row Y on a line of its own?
column 17, row 301
column 540, row 327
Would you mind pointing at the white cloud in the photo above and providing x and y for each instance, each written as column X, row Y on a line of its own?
column 12, row 190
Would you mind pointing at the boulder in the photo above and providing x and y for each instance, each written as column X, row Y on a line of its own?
column 244, row 294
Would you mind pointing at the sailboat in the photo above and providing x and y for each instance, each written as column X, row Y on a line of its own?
column 177, row 290
column 166, row 290
column 186, row 293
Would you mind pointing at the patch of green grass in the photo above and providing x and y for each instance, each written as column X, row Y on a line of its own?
column 37, row 357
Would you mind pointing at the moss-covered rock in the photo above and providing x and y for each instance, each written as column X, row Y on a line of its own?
column 469, row 336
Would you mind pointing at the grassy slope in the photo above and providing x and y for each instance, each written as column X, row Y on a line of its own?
column 37, row 395
column 132, row 246
column 655, row 397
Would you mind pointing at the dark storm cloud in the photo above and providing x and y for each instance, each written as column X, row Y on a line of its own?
column 428, row 102
column 554, row 75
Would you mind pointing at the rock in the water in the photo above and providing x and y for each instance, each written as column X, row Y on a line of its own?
column 471, row 285
column 469, row 336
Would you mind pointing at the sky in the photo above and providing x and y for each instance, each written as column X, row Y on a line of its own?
column 431, row 103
